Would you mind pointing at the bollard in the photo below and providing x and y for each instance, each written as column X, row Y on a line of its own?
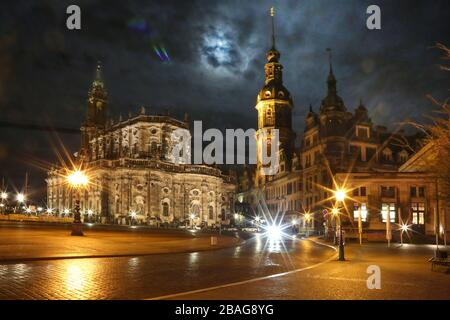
column 213, row 241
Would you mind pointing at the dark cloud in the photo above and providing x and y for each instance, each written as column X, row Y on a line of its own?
column 217, row 52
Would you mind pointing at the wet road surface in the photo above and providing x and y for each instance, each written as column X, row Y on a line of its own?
column 156, row 275
column 404, row 270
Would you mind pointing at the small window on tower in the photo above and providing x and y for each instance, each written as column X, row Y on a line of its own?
column 281, row 94
column 267, row 94
column 269, row 148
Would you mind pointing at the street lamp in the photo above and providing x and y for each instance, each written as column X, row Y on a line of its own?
column 90, row 213
column 237, row 219
column 340, row 196
column 77, row 180
column 403, row 228
column 307, row 217
column 133, row 216
column 192, row 216
column 257, row 222
column 4, row 196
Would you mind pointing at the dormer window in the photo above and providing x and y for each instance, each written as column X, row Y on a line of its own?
column 362, row 132
column 267, row 94
column 281, row 94
column 403, row 156
column 387, row 154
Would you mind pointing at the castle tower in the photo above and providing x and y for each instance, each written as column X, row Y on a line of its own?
column 96, row 111
column 332, row 101
column 274, row 105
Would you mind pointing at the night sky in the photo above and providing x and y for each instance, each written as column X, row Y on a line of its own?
column 217, row 55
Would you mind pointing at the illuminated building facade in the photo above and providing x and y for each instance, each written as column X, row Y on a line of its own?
column 373, row 163
column 132, row 173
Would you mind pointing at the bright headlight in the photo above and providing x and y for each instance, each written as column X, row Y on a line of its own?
column 274, row 232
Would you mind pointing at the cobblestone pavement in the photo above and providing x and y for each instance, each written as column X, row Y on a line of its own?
column 152, row 276
column 22, row 241
column 405, row 274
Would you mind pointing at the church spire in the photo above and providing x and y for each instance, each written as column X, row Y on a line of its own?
column 332, row 101
column 330, row 60
column 97, row 99
column 272, row 14
column 98, row 78
column 273, row 55
column 331, row 79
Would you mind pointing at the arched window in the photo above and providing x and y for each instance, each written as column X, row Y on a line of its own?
column 222, row 214
column 195, row 209
column 211, row 212
column 153, row 147
column 269, row 147
column 165, row 207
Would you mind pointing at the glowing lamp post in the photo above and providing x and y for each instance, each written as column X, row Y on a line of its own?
column 192, row 216
column 4, row 196
column 307, row 217
column 257, row 222
column 77, row 180
column 90, row 213
column 404, row 228
column 133, row 217
column 340, row 196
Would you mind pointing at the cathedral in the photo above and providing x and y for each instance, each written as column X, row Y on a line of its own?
column 133, row 175
column 339, row 148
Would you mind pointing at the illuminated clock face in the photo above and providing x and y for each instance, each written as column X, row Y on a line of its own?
column 98, row 105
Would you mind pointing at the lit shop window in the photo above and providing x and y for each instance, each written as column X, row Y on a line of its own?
column 363, row 207
column 388, row 207
column 418, row 212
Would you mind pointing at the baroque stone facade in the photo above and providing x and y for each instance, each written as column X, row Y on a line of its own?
column 132, row 172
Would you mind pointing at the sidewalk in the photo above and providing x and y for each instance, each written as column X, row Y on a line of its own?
column 27, row 243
